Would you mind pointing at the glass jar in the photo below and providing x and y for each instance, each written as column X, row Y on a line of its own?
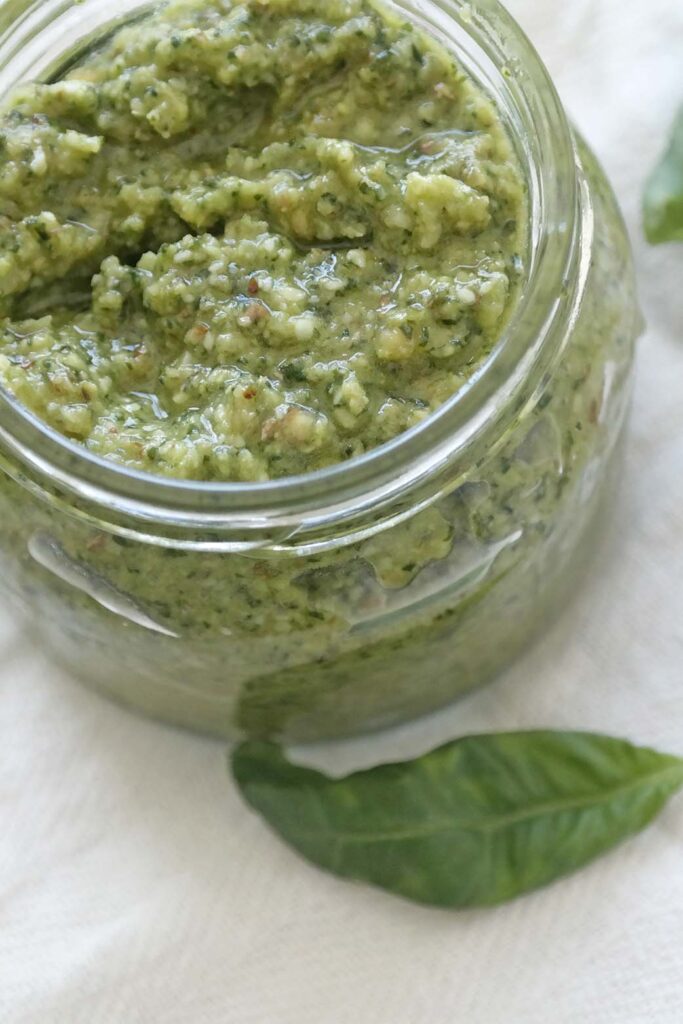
column 379, row 589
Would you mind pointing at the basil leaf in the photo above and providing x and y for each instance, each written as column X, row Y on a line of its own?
column 663, row 199
column 473, row 823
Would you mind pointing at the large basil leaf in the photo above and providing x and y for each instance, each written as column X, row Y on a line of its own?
column 475, row 822
column 663, row 200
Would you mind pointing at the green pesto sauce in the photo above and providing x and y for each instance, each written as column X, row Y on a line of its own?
column 243, row 241
column 246, row 240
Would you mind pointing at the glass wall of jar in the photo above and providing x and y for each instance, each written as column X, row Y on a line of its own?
column 375, row 590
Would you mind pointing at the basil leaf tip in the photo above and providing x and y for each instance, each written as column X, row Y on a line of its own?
column 663, row 197
column 473, row 823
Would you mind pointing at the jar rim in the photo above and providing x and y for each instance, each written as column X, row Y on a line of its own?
column 388, row 479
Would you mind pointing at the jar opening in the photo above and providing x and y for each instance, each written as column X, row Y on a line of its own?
column 394, row 479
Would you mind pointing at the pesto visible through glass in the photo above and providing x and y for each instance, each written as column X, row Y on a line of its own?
column 242, row 241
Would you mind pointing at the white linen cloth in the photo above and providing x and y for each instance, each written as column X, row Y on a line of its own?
column 135, row 888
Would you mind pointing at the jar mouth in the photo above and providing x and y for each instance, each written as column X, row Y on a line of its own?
column 399, row 475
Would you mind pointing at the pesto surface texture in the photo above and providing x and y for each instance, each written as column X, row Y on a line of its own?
column 241, row 241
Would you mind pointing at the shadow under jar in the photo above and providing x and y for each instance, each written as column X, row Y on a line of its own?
column 381, row 588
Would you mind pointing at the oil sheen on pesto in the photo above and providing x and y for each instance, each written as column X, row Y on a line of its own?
column 247, row 240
